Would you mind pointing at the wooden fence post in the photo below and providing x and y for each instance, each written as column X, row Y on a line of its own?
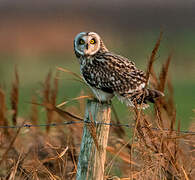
column 93, row 148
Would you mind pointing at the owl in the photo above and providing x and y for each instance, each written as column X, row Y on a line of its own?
column 109, row 74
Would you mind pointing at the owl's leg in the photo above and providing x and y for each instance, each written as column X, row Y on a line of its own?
column 101, row 96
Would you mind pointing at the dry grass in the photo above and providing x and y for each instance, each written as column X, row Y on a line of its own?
column 150, row 154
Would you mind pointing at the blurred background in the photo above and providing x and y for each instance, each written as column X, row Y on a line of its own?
column 37, row 36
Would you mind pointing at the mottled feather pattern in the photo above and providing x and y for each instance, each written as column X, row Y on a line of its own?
column 113, row 72
column 109, row 74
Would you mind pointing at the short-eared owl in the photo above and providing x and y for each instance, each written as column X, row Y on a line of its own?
column 109, row 74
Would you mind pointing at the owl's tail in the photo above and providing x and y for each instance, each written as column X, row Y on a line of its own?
column 148, row 95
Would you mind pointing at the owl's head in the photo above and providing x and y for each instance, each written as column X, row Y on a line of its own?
column 88, row 44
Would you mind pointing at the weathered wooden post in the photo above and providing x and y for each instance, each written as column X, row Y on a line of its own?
column 93, row 149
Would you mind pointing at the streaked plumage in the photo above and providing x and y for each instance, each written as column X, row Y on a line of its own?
column 109, row 74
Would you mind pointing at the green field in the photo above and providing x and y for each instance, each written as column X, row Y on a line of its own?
column 32, row 73
column 36, row 152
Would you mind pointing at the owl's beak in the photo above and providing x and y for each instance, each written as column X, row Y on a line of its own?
column 87, row 46
column 86, row 51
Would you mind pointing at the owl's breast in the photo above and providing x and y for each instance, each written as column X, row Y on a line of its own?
column 95, row 75
column 89, row 72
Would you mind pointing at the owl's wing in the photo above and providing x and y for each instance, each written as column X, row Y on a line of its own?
column 118, row 74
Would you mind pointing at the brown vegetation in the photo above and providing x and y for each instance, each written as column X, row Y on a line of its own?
column 155, row 150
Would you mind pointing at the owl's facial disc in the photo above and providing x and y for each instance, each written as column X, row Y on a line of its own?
column 87, row 44
column 93, row 44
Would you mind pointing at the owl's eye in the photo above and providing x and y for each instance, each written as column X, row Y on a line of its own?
column 92, row 41
column 81, row 41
